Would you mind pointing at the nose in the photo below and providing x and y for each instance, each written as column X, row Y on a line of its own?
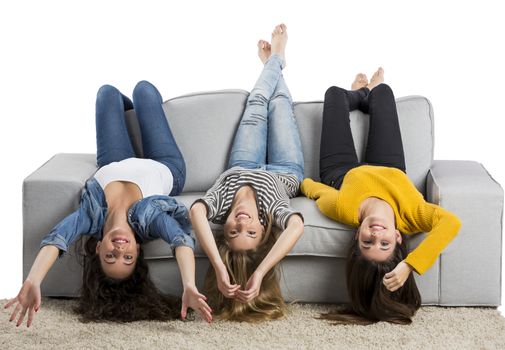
column 119, row 247
column 240, row 226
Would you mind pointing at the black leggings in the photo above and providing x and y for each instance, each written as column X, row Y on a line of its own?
column 384, row 147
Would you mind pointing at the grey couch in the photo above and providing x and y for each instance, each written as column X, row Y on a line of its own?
column 467, row 273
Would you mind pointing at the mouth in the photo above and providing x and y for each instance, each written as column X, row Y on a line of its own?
column 242, row 215
column 120, row 239
column 377, row 227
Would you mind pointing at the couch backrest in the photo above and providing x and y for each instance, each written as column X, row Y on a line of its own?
column 204, row 125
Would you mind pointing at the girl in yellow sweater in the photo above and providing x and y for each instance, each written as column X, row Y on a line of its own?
column 378, row 198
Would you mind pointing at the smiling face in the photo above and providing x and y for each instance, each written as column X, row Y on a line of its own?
column 118, row 251
column 243, row 229
column 377, row 238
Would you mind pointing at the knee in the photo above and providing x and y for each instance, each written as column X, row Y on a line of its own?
column 107, row 93
column 382, row 90
column 256, row 98
column 334, row 92
column 280, row 99
column 145, row 90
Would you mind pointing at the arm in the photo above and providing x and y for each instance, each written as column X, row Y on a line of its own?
column 198, row 216
column 191, row 297
column 326, row 197
column 442, row 226
column 281, row 248
column 28, row 298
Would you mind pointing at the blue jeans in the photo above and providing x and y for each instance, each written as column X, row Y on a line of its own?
column 158, row 143
column 267, row 137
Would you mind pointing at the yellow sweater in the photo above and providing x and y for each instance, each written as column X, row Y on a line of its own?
column 412, row 213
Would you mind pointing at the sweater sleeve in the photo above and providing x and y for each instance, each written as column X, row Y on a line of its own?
column 441, row 227
column 326, row 197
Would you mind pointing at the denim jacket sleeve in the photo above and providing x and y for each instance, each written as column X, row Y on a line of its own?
column 172, row 225
column 86, row 220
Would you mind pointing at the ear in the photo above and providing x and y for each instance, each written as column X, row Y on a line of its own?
column 399, row 237
column 98, row 245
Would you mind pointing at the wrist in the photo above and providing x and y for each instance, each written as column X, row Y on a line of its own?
column 408, row 266
column 260, row 272
column 219, row 266
column 187, row 286
column 34, row 281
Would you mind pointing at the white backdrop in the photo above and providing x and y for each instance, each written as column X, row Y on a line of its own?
column 56, row 54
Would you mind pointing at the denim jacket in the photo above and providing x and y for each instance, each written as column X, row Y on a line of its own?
column 151, row 218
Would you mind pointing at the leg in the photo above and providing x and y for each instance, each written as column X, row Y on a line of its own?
column 337, row 153
column 112, row 141
column 384, row 145
column 284, row 146
column 158, row 142
column 250, row 143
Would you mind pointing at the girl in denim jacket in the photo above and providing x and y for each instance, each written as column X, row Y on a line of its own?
column 128, row 201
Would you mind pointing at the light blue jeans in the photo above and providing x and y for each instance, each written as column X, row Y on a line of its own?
column 267, row 137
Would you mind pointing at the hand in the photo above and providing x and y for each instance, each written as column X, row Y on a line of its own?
column 252, row 288
column 395, row 279
column 28, row 299
column 193, row 299
column 223, row 283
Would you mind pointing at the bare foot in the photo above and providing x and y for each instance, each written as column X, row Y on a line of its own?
column 279, row 40
column 360, row 81
column 377, row 78
column 264, row 50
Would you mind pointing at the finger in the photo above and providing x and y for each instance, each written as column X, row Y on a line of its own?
column 31, row 312
column 229, row 294
column 9, row 304
column 394, row 288
column 389, row 274
column 21, row 317
column 184, row 311
column 205, row 306
column 201, row 296
column 15, row 312
column 205, row 315
column 37, row 303
column 235, row 287
column 247, row 293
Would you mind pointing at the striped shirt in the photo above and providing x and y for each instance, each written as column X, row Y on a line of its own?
column 272, row 190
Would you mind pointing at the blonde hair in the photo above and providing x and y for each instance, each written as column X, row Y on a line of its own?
column 269, row 304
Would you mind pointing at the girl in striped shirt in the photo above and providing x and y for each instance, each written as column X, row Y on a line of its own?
column 252, row 197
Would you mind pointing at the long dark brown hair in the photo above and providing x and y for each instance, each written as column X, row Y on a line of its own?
column 370, row 301
column 131, row 299
column 269, row 304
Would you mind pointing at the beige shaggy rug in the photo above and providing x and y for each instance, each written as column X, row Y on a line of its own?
column 56, row 327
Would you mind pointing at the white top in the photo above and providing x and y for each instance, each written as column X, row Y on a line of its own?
column 152, row 177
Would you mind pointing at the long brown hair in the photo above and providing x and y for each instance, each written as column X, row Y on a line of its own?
column 132, row 299
column 370, row 301
column 269, row 304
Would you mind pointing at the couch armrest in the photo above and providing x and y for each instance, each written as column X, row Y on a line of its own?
column 49, row 194
column 470, row 267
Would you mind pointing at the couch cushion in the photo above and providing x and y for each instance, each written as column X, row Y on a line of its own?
column 322, row 236
column 204, row 125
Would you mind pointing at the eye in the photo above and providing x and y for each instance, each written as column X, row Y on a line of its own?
column 109, row 256
column 384, row 244
column 233, row 233
column 251, row 233
column 128, row 257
